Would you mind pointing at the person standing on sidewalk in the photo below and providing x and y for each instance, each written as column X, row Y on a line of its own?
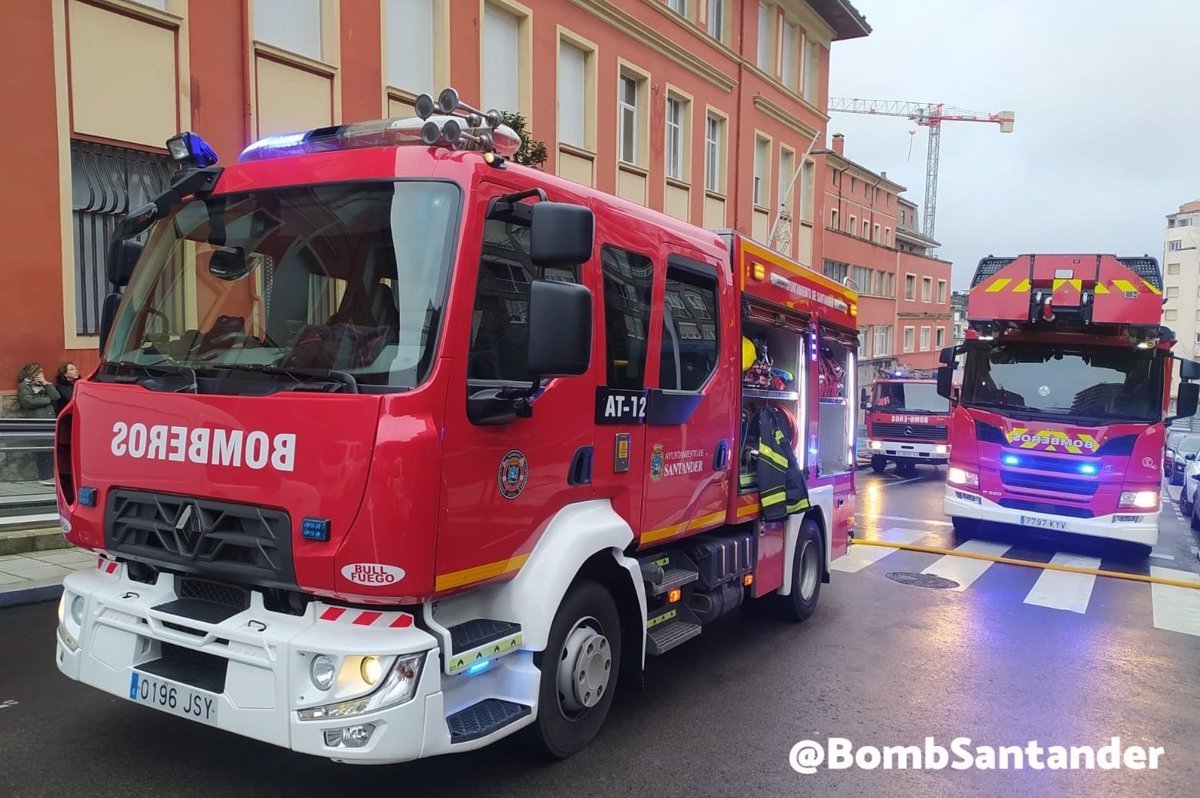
column 64, row 381
column 36, row 398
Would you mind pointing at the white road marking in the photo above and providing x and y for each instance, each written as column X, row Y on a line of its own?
column 859, row 557
column 966, row 570
column 1163, row 556
column 913, row 520
column 1176, row 609
column 1063, row 590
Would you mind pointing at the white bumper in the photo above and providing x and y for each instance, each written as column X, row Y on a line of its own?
column 910, row 449
column 1133, row 527
column 267, row 677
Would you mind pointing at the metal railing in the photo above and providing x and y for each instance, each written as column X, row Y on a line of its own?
column 26, row 465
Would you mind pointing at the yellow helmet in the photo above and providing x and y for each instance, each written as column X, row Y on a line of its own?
column 749, row 353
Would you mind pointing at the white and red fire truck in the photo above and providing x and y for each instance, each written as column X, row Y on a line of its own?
column 907, row 421
column 397, row 448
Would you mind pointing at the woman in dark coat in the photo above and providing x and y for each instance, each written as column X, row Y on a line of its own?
column 64, row 381
column 36, row 398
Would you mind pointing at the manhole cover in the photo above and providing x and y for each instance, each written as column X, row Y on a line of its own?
column 922, row 580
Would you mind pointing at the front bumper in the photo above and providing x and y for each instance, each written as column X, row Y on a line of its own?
column 267, row 677
column 1132, row 526
column 911, row 450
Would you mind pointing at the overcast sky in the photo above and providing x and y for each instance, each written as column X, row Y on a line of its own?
column 1107, row 103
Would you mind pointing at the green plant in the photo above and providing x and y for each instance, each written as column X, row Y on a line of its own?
column 532, row 152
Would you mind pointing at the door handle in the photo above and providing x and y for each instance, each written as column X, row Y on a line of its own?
column 721, row 456
column 580, row 472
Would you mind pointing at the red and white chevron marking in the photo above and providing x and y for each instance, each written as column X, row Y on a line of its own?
column 393, row 620
column 107, row 566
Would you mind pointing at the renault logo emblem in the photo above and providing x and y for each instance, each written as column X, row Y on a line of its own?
column 187, row 530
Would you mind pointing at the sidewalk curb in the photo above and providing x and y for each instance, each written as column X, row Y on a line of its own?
column 26, row 541
column 31, row 594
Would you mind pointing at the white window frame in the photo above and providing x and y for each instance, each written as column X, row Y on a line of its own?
column 641, row 81
column 568, row 39
column 925, row 338
column 715, row 176
column 680, row 7
column 910, row 339
column 926, row 295
column 789, row 59
column 941, row 292
column 268, row 11
column 764, row 59
column 685, row 136
column 908, row 298
column 833, row 218
column 524, row 60
column 883, row 341
column 761, row 179
column 811, row 58
column 853, row 228
column 939, row 338
column 716, row 20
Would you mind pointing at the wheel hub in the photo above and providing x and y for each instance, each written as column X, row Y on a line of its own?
column 584, row 669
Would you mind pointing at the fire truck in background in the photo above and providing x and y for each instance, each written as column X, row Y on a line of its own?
column 397, row 448
column 1059, row 422
column 907, row 420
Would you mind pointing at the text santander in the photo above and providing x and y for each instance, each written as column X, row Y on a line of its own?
column 205, row 446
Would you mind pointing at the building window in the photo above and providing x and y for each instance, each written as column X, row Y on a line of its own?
column 941, row 292
column 572, row 95
column 678, row 6
column 293, row 25
column 1173, row 292
column 909, row 335
column 689, row 334
column 924, row 339
column 629, row 100
column 789, row 70
column 714, row 153
column 862, row 279
column 1174, row 246
column 812, row 68
column 410, row 42
column 891, row 286
column 940, row 337
column 1172, row 268
column 716, row 19
column 887, row 235
column 883, row 341
column 833, row 218
column 880, row 283
column 766, row 45
column 628, row 279
column 1171, row 315
column 787, row 173
column 910, row 287
column 877, row 239
column 853, row 228
column 836, row 271
column 678, row 114
column 762, row 170
column 106, row 182
column 926, row 289
column 502, row 54
column 853, row 184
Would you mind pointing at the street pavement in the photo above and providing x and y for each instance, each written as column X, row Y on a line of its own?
column 1012, row 654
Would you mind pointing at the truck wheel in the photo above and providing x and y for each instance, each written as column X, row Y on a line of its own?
column 965, row 528
column 806, row 574
column 878, row 463
column 906, row 468
column 579, row 671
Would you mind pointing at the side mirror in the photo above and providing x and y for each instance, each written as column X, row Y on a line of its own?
column 137, row 221
column 947, row 355
column 945, row 381
column 1189, row 370
column 560, row 328
column 561, row 234
column 1187, row 398
column 122, row 257
column 228, row 264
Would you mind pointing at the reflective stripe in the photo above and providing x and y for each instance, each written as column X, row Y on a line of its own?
column 1101, row 288
column 771, row 499
column 773, row 456
column 1124, row 285
column 999, row 285
column 796, row 507
column 1021, row 287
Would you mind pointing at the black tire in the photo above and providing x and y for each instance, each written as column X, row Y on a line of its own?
column 1185, row 507
column 878, row 463
column 808, row 565
column 906, row 468
column 561, row 731
column 1194, row 520
column 965, row 528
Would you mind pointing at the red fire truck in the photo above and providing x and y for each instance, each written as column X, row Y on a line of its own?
column 908, row 421
column 1059, row 421
column 397, row 447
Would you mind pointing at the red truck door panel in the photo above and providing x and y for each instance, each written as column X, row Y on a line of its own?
column 689, row 424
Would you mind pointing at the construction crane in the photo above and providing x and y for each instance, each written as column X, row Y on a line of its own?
column 930, row 115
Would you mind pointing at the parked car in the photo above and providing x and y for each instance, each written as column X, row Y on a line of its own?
column 1174, row 436
column 1188, row 496
column 1185, row 452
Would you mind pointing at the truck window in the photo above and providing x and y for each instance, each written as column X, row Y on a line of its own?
column 628, row 280
column 500, row 322
column 689, row 336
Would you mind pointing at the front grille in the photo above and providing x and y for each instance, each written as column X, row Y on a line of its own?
column 1047, row 484
column 899, row 432
column 237, row 543
column 214, row 593
column 1047, row 508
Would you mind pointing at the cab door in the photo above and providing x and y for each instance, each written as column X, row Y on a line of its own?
column 690, row 403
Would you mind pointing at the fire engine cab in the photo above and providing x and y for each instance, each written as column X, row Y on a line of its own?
column 397, row 448
column 907, row 420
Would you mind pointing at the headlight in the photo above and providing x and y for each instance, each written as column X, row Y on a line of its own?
column 399, row 686
column 958, row 476
column 1141, row 499
column 322, row 670
column 941, row 448
column 875, row 444
column 370, row 670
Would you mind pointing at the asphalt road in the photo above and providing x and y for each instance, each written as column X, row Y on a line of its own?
column 1005, row 659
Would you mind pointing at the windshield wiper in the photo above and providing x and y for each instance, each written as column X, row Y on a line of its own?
column 163, row 366
column 301, row 376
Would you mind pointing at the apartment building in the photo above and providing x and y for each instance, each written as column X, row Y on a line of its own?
column 1181, row 281
column 703, row 109
column 871, row 238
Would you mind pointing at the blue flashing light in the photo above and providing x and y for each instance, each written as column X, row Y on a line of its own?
column 315, row 529
column 479, row 667
column 189, row 148
column 1088, row 468
column 282, row 143
column 87, row 497
column 1010, row 460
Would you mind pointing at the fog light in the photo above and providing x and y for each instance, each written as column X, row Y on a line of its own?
column 67, row 638
column 77, row 610
column 322, row 672
column 371, row 669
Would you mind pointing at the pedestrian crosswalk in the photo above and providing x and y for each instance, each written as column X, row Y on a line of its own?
column 1171, row 608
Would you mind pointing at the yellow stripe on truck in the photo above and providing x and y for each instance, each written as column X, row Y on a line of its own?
column 999, row 285
column 1124, row 285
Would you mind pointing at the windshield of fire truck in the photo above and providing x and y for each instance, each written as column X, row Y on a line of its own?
column 1084, row 384
column 909, row 397
column 345, row 278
